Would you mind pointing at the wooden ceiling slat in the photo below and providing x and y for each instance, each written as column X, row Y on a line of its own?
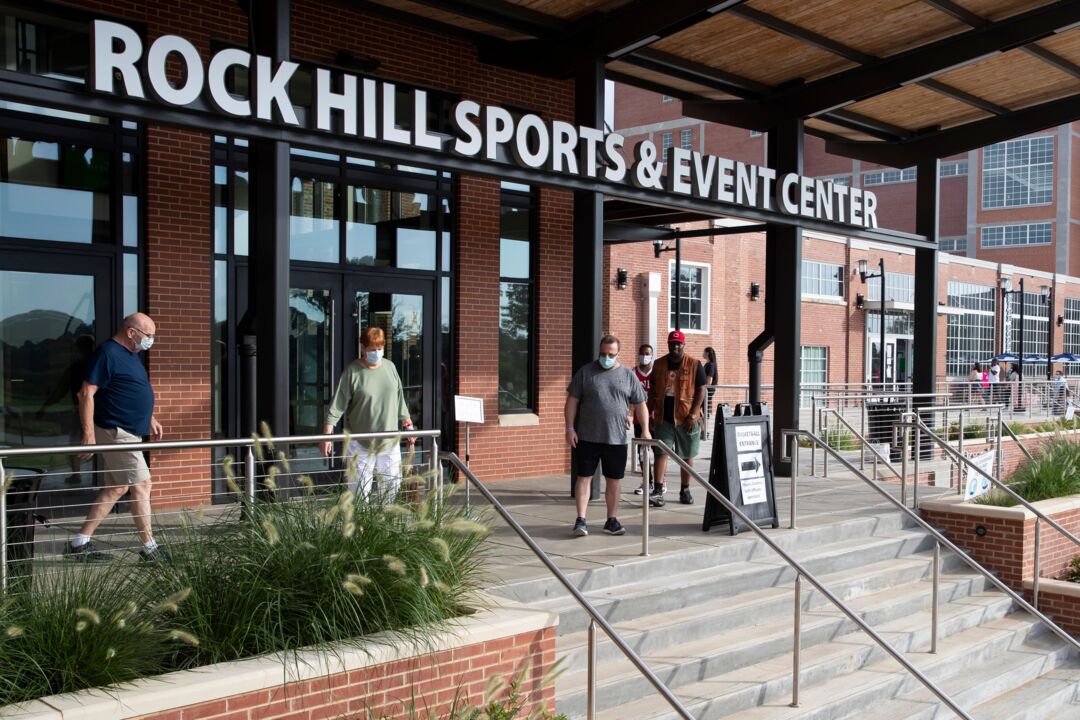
column 651, row 76
column 999, row 9
column 453, row 19
column 915, row 108
column 738, row 46
column 1066, row 45
column 570, row 9
column 873, row 27
column 827, row 127
column 996, row 80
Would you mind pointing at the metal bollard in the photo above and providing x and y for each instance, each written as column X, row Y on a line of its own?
column 959, row 449
column 1038, row 564
column 3, row 530
column 590, row 711
column 249, row 475
column 794, row 478
column 934, row 600
column 918, row 453
column 904, row 448
column 796, row 648
column 646, row 473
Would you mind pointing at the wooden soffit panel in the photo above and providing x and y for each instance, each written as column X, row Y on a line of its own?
column 1066, row 44
column 569, row 9
column 913, row 107
column 1000, row 9
column 837, row 130
column 744, row 48
column 452, row 19
column 658, row 78
column 1014, row 80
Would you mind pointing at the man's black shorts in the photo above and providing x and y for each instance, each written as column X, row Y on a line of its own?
column 611, row 458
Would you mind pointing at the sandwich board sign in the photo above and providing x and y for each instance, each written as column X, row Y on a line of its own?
column 742, row 468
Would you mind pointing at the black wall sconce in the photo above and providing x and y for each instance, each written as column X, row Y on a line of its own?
column 621, row 277
column 755, row 291
column 860, row 301
column 1060, row 320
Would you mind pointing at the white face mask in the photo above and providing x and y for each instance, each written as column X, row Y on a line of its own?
column 646, row 359
column 145, row 343
column 373, row 356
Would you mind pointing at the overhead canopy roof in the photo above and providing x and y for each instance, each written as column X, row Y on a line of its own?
column 890, row 81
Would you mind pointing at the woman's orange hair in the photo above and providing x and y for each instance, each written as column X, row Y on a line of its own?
column 373, row 337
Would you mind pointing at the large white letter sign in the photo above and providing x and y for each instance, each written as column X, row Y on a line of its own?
column 156, row 68
column 106, row 58
column 220, row 96
column 326, row 99
column 271, row 88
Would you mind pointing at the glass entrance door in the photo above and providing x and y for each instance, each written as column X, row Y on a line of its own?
column 54, row 310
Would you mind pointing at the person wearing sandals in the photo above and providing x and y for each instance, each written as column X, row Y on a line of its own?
column 371, row 399
column 595, row 412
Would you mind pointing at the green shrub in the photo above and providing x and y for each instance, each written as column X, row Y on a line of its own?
column 1053, row 472
column 973, row 430
column 840, row 440
column 80, row 628
column 1073, row 574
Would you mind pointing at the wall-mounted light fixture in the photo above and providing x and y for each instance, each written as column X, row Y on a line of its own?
column 755, row 291
column 860, row 301
column 621, row 278
column 1060, row 320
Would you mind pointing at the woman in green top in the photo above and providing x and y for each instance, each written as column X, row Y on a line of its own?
column 371, row 399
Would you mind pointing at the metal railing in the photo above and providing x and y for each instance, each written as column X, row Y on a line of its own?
column 801, row 573
column 940, row 539
column 179, row 494
column 916, row 423
column 595, row 617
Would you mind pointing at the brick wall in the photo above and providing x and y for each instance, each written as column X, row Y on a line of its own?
column 432, row 682
column 1060, row 600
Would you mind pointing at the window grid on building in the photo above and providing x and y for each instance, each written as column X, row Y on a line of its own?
column 953, row 169
column 1018, row 173
column 899, row 287
column 953, row 244
column 1072, row 334
column 823, row 279
column 814, row 371
column 686, row 139
column 838, row 179
column 886, row 177
column 994, row 236
column 1036, row 330
column 517, row 302
column 694, row 300
column 665, row 143
column 970, row 334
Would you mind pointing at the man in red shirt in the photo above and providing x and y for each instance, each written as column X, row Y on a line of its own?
column 643, row 372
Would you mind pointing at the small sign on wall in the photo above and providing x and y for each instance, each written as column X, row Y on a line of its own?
column 469, row 409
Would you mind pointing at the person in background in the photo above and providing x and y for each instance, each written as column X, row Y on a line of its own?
column 116, row 405
column 974, row 381
column 1060, row 391
column 643, row 372
column 994, row 377
column 984, row 383
column 1012, row 377
column 676, row 395
column 595, row 412
column 371, row 399
column 708, row 360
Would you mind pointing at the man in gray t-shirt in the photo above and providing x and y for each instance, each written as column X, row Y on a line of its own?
column 597, row 400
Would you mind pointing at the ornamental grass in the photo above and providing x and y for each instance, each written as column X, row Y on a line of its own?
column 1053, row 472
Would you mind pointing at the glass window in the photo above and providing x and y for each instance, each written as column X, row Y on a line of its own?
column 1036, row 328
column 1072, row 334
column 221, row 210
column 517, row 298
column 42, row 45
column 385, row 228
column 814, row 372
column 131, row 284
column 823, row 279
column 953, row 169
column 694, row 300
column 887, row 177
column 969, row 335
column 131, row 202
column 1018, row 173
column 953, row 244
column 313, row 224
column 996, row 236
column 686, row 139
column 219, row 349
column 899, row 287
column 55, row 191
column 241, row 223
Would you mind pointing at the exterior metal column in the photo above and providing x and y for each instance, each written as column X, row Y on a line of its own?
column 588, row 241
column 269, row 280
column 927, row 208
column 783, row 295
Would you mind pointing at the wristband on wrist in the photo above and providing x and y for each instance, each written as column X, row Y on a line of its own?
column 570, row 429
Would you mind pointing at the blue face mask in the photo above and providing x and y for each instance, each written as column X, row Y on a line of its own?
column 607, row 362
column 373, row 356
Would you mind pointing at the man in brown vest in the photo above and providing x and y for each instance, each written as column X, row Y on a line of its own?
column 675, row 398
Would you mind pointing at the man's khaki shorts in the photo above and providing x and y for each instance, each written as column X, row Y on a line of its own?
column 121, row 468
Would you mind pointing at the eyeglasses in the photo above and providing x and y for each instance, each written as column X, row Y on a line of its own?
column 141, row 332
column 610, row 356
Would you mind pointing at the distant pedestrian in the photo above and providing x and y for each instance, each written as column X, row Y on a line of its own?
column 974, row 387
column 116, row 405
column 371, row 399
column 676, row 395
column 643, row 372
column 994, row 377
column 1060, row 392
column 712, row 377
column 597, row 401
column 1016, row 387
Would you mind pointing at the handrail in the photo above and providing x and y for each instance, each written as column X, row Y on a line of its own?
column 803, row 572
column 921, row 426
column 594, row 614
column 1000, row 585
column 840, row 418
column 1008, row 430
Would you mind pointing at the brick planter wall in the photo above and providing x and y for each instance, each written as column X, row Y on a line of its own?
column 1060, row 600
column 382, row 679
column 1008, row 546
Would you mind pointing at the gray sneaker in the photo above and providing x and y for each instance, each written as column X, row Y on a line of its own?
column 614, row 527
column 86, row 552
column 581, row 528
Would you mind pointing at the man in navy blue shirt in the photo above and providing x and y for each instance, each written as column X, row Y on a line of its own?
column 116, row 405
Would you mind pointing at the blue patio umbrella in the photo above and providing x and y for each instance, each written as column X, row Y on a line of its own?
column 1008, row 357
column 1065, row 357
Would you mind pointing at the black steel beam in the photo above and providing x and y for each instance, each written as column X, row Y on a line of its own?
column 964, row 137
column 927, row 211
column 506, row 15
column 619, row 233
column 602, row 36
column 876, row 76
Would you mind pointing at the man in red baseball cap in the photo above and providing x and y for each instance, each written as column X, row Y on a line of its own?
column 676, row 394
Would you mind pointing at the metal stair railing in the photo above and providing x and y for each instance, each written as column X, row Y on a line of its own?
column 864, row 443
column 1009, row 431
column 941, row 540
column 920, row 427
column 802, row 572
column 596, row 618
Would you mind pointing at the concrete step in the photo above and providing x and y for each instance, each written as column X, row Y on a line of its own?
column 679, row 591
column 760, row 654
column 845, row 677
column 654, row 632
column 1055, row 694
column 744, row 547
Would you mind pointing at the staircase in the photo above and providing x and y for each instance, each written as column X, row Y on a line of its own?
column 716, row 626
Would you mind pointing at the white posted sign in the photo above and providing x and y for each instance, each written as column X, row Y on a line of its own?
column 469, row 409
column 752, row 473
column 977, row 483
column 748, row 438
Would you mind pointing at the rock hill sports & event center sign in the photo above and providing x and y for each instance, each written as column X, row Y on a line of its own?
column 349, row 105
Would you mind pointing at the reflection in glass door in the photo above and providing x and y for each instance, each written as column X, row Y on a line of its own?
column 311, row 362
column 401, row 317
column 53, row 313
